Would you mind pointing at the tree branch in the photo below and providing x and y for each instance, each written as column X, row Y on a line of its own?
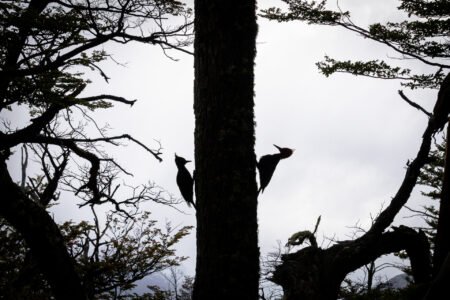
column 22, row 135
column 413, row 104
column 156, row 153
column 409, row 181
column 42, row 236
column 49, row 192
column 106, row 97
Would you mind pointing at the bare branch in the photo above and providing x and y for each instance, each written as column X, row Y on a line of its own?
column 409, row 181
column 413, row 104
column 366, row 34
column 49, row 192
column 106, row 97
column 156, row 153
column 421, row 213
column 24, row 164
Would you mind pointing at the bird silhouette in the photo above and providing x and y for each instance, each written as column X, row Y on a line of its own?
column 184, row 180
column 268, row 163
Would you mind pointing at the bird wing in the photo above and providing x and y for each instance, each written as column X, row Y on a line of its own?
column 186, row 185
column 266, row 167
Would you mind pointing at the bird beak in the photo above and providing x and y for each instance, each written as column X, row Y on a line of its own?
column 279, row 148
column 188, row 161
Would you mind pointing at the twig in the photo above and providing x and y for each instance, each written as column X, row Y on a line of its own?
column 156, row 153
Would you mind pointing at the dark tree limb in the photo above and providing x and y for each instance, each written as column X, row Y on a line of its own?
column 37, row 125
column 439, row 286
column 50, row 191
column 314, row 273
column 413, row 104
column 94, row 160
column 106, row 97
column 442, row 239
column 34, row 9
column 111, row 139
column 412, row 173
column 386, row 217
column 42, row 236
column 24, row 165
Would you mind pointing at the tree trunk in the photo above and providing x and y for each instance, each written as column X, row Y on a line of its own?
column 371, row 269
column 225, row 180
column 42, row 236
column 442, row 240
column 316, row 274
column 439, row 286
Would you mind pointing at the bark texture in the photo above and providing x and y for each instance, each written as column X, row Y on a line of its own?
column 226, row 190
column 442, row 242
column 439, row 285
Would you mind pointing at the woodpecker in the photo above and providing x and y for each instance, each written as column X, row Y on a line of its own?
column 184, row 180
column 442, row 107
column 268, row 163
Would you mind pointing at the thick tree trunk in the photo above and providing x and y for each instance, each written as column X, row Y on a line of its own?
column 316, row 274
column 442, row 241
column 439, row 286
column 42, row 236
column 226, row 191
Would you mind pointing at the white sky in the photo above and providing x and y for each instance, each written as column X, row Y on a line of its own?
column 352, row 135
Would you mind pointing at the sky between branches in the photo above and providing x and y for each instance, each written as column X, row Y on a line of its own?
column 353, row 136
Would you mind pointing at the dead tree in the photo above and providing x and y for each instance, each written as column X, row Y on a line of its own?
column 316, row 274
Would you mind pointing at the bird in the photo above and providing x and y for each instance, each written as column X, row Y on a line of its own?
column 267, row 164
column 184, row 180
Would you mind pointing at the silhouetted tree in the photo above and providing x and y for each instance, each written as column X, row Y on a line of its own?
column 431, row 177
column 225, row 161
column 314, row 273
column 442, row 239
column 111, row 256
column 44, row 47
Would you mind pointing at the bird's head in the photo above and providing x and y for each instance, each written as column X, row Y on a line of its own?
column 180, row 161
column 285, row 152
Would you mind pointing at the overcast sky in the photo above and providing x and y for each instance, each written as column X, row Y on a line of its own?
column 352, row 135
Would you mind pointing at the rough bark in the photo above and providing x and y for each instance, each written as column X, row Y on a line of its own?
column 439, row 286
column 442, row 241
column 42, row 236
column 316, row 274
column 226, row 191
